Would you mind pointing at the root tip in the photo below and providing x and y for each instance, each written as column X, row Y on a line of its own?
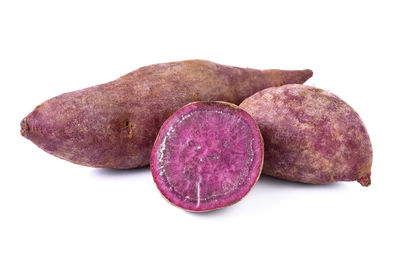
column 365, row 180
column 24, row 127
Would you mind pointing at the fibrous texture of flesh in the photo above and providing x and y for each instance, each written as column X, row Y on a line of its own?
column 207, row 156
column 114, row 125
column 310, row 135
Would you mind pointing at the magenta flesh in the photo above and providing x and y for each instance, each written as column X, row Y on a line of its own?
column 207, row 155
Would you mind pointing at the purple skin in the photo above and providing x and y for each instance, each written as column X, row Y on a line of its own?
column 310, row 135
column 114, row 125
column 207, row 155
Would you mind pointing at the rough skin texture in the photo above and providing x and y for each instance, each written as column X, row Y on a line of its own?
column 310, row 135
column 207, row 156
column 114, row 125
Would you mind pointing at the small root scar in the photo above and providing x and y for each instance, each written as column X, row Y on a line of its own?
column 129, row 127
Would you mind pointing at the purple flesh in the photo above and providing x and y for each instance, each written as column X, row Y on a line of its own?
column 207, row 155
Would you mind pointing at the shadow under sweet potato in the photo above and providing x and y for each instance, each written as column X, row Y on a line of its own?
column 276, row 183
column 107, row 172
column 267, row 192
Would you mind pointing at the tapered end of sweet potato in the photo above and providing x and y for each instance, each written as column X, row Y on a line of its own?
column 296, row 76
column 277, row 77
column 24, row 127
column 365, row 180
column 34, row 128
column 307, row 74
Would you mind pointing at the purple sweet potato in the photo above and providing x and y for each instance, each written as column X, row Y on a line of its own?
column 310, row 135
column 114, row 125
column 207, row 155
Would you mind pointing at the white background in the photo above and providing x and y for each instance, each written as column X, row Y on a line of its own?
column 50, row 208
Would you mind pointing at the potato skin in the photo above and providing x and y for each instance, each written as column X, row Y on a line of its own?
column 114, row 125
column 310, row 135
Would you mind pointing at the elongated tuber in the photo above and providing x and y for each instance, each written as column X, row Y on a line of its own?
column 114, row 125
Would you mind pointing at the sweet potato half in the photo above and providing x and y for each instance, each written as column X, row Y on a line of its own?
column 208, row 155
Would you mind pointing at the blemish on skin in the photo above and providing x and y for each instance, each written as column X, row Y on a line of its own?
column 24, row 127
column 22, row 124
column 129, row 127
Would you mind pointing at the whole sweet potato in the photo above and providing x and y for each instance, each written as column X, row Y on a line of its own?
column 114, row 125
column 310, row 135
